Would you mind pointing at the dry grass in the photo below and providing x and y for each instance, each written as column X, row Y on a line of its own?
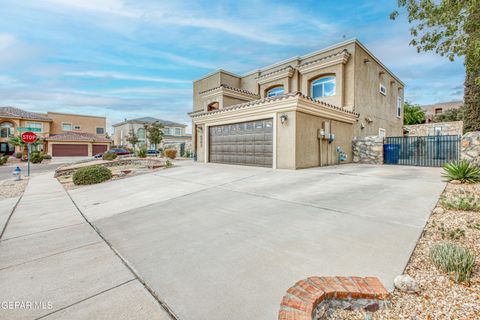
column 439, row 297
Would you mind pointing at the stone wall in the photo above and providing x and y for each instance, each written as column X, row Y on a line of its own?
column 471, row 146
column 435, row 128
column 368, row 150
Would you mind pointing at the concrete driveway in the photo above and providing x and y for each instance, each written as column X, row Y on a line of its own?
column 225, row 242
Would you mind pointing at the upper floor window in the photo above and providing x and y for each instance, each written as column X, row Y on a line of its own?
column 100, row 130
column 6, row 129
column 166, row 131
column 141, row 134
column 323, row 87
column 66, row 126
column 383, row 89
column 275, row 92
column 178, row 131
column 399, row 107
column 36, row 125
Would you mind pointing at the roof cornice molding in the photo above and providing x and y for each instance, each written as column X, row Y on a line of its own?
column 229, row 91
column 287, row 71
column 340, row 57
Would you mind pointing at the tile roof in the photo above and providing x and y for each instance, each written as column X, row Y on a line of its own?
column 150, row 120
column 226, row 86
column 289, row 67
column 12, row 112
column 269, row 99
column 77, row 136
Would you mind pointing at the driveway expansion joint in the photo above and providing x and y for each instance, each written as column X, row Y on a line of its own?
column 126, row 264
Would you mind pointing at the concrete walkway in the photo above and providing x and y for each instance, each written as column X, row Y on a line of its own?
column 54, row 265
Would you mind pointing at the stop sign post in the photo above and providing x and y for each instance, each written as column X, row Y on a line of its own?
column 29, row 138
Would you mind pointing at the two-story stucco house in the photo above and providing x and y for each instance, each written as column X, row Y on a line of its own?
column 174, row 135
column 297, row 113
column 63, row 134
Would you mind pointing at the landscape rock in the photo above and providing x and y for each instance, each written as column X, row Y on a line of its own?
column 406, row 283
column 438, row 210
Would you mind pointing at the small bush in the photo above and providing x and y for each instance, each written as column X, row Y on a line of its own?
column 186, row 153
column 46, row 156
column 109, row 156
column 462, row 200
column 91, row 175
column 464, row 171
column 452, row 234
column 454, row 260
column 170, row 153
column 168, row 164
column 36, row 157
column 142, row 152
column 18, row 155
column 3, row 160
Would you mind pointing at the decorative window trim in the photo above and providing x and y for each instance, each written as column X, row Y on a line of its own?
column 383, row 89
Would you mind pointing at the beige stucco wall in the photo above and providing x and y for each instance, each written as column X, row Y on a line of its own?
column 285, row 141
column 370, row 103
column 87, row 123
column 310, row 150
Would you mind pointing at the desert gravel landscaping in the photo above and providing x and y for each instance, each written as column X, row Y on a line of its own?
column 439, row 297
column 12, row 189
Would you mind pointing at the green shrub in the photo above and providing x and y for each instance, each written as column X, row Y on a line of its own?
column 46, row 156
column 170, row 153
column 18, row 155
column 36, row 157
column 186, row 153
column 464, row 171
column 454, row 260
column 168, row 164
column 461, row 200
column 452, row 234
column 109, row 156
column 91, row 175
column 142, row 152
column 3, row 160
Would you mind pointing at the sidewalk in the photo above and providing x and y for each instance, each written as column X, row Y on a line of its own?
column 53, row 265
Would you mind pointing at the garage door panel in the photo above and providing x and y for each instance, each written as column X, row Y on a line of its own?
column 247, row 143
column 69, row 150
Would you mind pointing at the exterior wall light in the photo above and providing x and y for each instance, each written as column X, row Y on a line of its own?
column 283, row 118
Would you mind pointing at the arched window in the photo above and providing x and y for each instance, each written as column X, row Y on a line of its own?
column 213, row 106
column 6, row 129
column 323, row 87
column 273, row 92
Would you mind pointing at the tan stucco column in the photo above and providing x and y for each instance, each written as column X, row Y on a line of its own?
column 90, row 149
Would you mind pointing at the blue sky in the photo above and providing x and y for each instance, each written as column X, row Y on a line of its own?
column 125, row 59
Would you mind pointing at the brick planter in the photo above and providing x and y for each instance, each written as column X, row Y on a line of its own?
column 311, row 298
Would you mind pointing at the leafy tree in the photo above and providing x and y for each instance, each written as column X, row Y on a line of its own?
column 107, row 136
column 155, row 133
column 413, row 114
column 452, row 29
column 450, row 115
column 18, row 142
column 132, row 138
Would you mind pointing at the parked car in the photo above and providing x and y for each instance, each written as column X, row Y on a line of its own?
column 117, row 151
column 153, row 152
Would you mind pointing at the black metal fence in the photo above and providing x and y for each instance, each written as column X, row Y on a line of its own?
column 427, row 151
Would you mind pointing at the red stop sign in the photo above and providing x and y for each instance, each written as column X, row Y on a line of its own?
column 29, row 137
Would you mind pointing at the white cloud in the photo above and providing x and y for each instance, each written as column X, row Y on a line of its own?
column 122, row 76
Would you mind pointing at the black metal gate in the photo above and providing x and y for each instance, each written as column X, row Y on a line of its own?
column 427, row 151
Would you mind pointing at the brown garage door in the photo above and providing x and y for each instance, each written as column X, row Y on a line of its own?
column 245, row 143
column 99, row 149
column 65, row 150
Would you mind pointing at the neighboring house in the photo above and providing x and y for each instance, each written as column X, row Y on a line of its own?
column 174, row 135
column 297, row 113
column 436, row 109
column 12, row 118
column 64, row 134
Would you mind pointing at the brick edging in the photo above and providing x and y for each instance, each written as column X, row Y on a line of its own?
column 301, row 300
